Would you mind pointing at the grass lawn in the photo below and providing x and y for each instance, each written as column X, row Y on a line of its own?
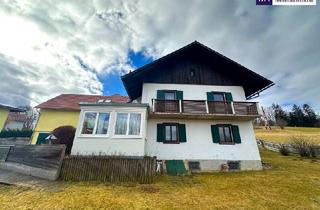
column 278, row 135
column 291, row 183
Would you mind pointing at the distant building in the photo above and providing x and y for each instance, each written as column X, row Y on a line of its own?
column 5, row 110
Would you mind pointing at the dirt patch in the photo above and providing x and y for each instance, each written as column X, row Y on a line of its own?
column 266, row 166
column 150, row 189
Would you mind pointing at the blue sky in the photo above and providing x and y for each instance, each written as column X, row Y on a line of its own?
column 112, row 83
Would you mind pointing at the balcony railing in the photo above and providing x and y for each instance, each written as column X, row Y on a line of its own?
column 204, row 107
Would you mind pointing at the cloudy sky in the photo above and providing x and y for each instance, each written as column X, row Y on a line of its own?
column 52, row 47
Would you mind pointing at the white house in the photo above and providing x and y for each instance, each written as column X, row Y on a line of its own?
column 190, row 105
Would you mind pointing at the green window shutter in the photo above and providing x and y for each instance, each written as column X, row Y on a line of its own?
column 228, row 97
column 210, row 96
column 182, row 133
column 215, row 134
column 179, row 95
column 236, row 134
column 160, row 94
column 160, row 132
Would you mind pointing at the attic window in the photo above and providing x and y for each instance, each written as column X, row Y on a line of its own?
column 192, row 72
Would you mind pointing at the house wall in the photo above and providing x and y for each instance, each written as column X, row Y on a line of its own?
column 110, row 144
column 199, row 145
column 3, row 117
column 51, row 119
column 190, row 92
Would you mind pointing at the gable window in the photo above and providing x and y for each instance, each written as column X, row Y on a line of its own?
column 95, row 123
column 128, row 124
column 225, row 134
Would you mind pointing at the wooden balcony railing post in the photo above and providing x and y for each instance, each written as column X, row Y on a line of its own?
column 180, row 106
column 232, row 108
column 153, row 102
column 207, row 107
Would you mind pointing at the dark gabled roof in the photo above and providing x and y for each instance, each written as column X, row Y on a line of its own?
column 72, row 101
column 252, row 82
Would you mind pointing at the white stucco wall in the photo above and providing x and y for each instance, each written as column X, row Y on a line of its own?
column 110, row 144
column 190, row 92
column 199, row 143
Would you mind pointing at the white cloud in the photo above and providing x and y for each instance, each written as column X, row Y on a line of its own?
column 43, row 42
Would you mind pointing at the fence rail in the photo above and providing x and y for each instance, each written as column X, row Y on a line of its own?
column 108, row 169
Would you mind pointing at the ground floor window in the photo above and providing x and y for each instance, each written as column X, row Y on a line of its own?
column 95, row 123
column 225, row 133
column 128, row 124
column 171, row 133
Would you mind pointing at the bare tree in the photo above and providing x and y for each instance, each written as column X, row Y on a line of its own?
column 32, row 115
column 267, row 117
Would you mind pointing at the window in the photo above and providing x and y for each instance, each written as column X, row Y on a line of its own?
column 103, row 123
column 95, row 123
column 225, row 134
column 134, row 124
column 89, row 122
column 128, row 124
column 121, row 124
column 217, row 96
column 171, row 133
column 169, row 95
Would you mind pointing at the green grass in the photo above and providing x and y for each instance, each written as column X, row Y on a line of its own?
column 291, row 183
column 283, row 136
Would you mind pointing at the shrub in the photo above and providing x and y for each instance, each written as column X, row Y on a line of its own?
column 313, row 152
column 284, row 150
column 64, row 135
column 303, row 145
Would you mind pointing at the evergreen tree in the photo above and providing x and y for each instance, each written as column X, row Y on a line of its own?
column 310, row 117
column 281, row 116
column 296, row 116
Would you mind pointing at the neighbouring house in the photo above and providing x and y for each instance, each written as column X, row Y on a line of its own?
column 188, row 107
column 5, row 111
column 16, row 121
column 64, row 110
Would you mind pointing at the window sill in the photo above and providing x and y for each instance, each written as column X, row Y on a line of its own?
column 227, row 143
column 171, row 142
column 126, row 137
column 94, row 136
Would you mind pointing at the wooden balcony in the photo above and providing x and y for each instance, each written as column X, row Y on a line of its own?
column 203, row 109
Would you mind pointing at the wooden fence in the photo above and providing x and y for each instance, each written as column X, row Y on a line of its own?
column 108, row 169
column 15, row 141
column 42, row 161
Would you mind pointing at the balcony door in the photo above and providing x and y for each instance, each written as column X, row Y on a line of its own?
column 171, row 103
column 219, row 103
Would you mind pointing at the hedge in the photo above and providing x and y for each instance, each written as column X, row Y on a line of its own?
column 15, row 133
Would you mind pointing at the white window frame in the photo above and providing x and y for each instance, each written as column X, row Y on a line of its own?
column 128, row 121
column 95, row 125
